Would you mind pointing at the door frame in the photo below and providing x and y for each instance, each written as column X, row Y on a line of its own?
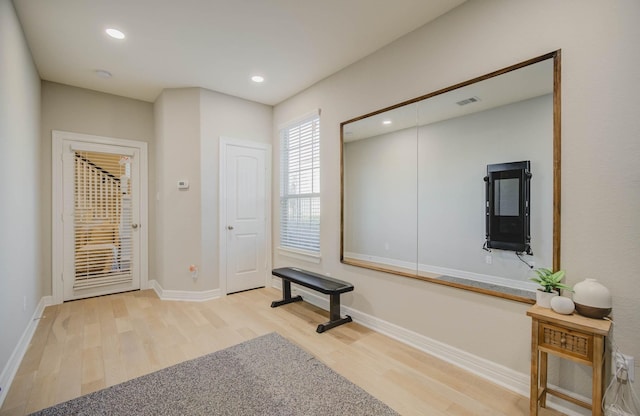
column 57, row 202
column 225, row 142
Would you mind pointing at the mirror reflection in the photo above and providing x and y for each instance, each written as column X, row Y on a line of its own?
column 413, row 189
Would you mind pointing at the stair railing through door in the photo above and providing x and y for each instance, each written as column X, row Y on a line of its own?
column 103, row 232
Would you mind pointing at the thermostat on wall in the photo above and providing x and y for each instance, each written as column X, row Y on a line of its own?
column 183, row 184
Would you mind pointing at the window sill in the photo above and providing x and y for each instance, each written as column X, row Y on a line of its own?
column 300, row 255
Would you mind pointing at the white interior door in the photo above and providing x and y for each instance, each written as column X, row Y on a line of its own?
column 246, row 178
column 100, row 223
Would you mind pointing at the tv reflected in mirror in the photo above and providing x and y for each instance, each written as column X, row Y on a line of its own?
column 412, row 199
column 507, row 206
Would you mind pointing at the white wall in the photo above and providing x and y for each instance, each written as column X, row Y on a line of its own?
column 231, row 117
column 453, row 158
column 177, row 120
column 189, row 124
column 21, row 232
column 381, row 199
column 600, row 152
column 450, row 157
column 80, row 110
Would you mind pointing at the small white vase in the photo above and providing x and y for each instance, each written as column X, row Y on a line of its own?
column 543, row 299
column 562, row 304
column 592, row 299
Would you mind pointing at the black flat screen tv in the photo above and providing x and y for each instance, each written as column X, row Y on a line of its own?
column 507, row 206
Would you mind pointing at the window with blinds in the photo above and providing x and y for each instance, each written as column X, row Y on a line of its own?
column 103, row 218
column 300, row 185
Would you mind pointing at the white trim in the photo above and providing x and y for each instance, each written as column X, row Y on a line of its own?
column 307, row 238
column 91, row 147
column 11, row 368
column 299, row 119
column 462, row 274
column 184, row 295
column 485, row 278
column 222, row 206
column 496, row 373
column 381, row 260
column 57, row 143
column 57, row 225
column 90, row 138
column 309, row 256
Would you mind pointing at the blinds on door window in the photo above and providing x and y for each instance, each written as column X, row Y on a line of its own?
column 103, row 219
column 300, row 185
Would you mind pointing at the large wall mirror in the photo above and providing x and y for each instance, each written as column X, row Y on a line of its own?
column 413, row 189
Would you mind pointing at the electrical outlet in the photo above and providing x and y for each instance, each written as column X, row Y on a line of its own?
column 488, row 259
column 194, row 271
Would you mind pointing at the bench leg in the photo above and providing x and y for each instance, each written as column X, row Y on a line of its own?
column 334, row 315
column 286, row 295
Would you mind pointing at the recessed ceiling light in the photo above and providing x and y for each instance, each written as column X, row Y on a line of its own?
column 257, row 78
column 115, row 33
column 386, row 122
column 103, row 73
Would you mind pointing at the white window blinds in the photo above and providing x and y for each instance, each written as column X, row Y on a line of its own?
column 103, row 233
column 300, row 185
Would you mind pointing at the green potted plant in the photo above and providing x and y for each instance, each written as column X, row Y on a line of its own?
column 551, row 285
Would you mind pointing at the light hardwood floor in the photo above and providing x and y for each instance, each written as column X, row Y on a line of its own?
column 83, row 346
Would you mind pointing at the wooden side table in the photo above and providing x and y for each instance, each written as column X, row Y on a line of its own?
column 573, row 337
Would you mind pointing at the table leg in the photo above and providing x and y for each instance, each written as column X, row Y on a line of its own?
column 543, row 378
column 533, row 395
column 598, row 362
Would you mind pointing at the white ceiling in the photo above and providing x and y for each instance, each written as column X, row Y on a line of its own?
column 213, row 44
column 511, row 87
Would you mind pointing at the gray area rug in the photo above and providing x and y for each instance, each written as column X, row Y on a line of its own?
column 267, row 375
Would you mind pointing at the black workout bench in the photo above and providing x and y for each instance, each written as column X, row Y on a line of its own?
column 315, row 281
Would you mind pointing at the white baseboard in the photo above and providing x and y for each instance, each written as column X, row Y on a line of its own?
column 184, row 295
column 10, row 370
column 496, row 373
column 445, row 271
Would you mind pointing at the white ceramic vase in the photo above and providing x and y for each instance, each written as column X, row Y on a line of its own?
column 592, row 299
column 543, row 299
column 562, row 304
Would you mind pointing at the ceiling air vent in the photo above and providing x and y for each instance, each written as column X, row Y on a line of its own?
column 468, row 101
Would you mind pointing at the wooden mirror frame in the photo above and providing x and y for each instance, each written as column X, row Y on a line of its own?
column 556, row 175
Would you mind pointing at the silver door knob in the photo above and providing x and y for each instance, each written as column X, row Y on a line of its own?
column 229, row 227
column 134, row 226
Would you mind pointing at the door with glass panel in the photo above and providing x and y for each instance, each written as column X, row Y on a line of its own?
column 101, row 219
